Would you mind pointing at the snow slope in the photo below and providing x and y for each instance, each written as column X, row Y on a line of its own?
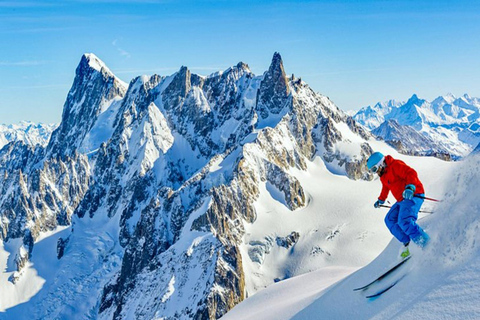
column 441, row 282
column 94, row 255
column 338, row 228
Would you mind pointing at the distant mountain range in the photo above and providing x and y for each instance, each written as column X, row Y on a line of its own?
column 448, row 125
column 29, row 132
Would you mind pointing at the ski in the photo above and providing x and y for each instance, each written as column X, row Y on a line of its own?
column 379, row 293
column 395, row 267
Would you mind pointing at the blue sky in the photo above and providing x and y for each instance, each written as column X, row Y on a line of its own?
column 355, row 52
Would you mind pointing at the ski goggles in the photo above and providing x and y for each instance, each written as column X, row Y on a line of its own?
column 375, row 168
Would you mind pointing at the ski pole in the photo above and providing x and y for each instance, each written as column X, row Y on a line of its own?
column 426, row 198
column 422, row 211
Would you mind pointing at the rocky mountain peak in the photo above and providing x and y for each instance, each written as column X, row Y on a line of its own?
column 443, row 100
column 414, row 99
column 274, row 90
column 243, row 66
column 93, row 90
column 450, row 97
column 277, row 60
column 408, row 141
column 92, row 70
column 180, row 84
column 91, row 61
column 276, row 72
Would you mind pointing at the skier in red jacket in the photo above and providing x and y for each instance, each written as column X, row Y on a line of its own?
column 402, row 181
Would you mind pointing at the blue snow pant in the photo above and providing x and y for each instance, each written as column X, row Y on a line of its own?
column 401, row 219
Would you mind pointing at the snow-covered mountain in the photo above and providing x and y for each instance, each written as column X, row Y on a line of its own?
column 440, row 282
column 178, row 196
column 29, row 132
column 409, row 141
column 451, row 123
column 373, row 117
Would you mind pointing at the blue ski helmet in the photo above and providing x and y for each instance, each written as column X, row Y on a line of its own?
column 375, row 160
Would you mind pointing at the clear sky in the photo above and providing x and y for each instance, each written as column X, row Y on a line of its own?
column 355, row 52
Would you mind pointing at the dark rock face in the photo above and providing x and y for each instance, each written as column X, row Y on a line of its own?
column 56, row 187
column 288, row 241
column 181, row 169
column 274, row 92
column 61, row 244
column 288, row 185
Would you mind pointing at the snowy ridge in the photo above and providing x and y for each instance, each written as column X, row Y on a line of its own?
column 95, row 63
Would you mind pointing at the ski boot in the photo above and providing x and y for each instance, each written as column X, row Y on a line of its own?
column 404, row 252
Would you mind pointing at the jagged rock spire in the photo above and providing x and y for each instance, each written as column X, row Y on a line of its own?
column 274, row 91
column 180, row 84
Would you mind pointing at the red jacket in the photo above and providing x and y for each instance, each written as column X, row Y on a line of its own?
column 396, row 177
